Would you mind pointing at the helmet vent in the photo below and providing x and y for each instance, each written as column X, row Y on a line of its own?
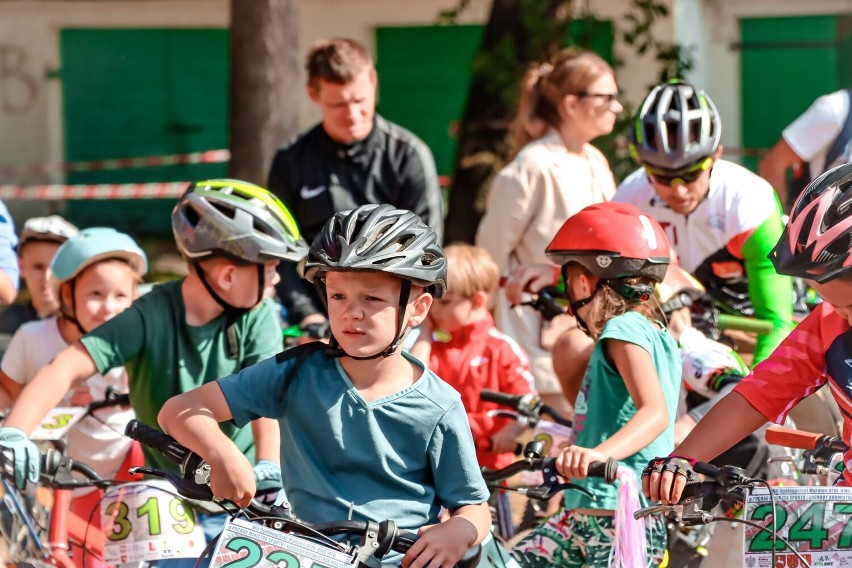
column 226, row 211
column 260, row 227
column 191, row 215
column 694, row 131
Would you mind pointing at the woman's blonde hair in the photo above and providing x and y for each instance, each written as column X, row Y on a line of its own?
column 608, row 303
column 569, row 72
column 470, row 269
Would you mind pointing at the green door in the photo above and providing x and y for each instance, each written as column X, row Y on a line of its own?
column 424, row 76
column 142, row 92
column 786, row 63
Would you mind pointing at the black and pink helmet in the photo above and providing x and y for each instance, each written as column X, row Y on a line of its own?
column 817, row 242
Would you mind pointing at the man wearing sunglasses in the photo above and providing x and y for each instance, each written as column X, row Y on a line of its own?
column 722, row 219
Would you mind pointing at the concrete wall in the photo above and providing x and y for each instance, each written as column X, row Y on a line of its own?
column 31, row 101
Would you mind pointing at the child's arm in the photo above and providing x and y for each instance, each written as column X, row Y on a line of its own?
column 637, row 369
column 444, row 544
column 267, row 440
column 192, row 418
column 728, row 422
column 9, row 390
column 68, row 369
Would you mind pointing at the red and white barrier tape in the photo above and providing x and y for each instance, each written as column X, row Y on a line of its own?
column 164, row 190
column 207, row 157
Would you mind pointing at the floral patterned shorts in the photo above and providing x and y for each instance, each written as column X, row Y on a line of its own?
column 570, row 539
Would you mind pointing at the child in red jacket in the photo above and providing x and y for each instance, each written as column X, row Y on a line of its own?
column 470, row 354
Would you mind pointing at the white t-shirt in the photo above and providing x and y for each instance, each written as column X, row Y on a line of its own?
column 97, row 440
column 812, row 134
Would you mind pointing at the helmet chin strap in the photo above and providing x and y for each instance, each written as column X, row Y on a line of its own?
column 232, row 313
column 73, row 316
column 401, row 329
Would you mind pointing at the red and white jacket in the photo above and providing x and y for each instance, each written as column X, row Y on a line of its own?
column 480, row 357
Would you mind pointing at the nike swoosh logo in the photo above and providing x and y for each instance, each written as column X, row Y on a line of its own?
column 309, row 193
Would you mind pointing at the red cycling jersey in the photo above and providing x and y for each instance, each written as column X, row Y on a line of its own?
column 818, row 351
column 481, row 357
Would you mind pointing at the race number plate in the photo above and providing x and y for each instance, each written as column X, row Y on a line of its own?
column 145, row 521
column 247, row 545
column 817, row 521
column 57, row 422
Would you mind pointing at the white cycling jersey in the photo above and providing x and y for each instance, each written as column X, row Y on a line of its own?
column 725, row 243
column 738, row 202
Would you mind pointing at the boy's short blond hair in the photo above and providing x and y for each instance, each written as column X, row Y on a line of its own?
column 470, row 269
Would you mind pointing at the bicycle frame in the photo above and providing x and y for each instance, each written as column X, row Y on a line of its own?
column 66, row 527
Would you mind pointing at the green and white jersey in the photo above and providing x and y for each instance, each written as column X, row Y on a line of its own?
column 725, row 244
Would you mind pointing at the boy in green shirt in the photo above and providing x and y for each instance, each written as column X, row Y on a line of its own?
column 214, row 322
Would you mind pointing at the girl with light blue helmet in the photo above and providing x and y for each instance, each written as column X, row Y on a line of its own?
column 95, row 275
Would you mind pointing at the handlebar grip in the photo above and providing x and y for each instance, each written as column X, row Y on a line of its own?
column 743, row 323
column 608, row 470
column 791, row 438
column 510, row 400
column 157, row 440
column 404, row 540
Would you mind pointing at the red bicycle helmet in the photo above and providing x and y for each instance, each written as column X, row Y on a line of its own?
column 612, row 240
column 817, row 240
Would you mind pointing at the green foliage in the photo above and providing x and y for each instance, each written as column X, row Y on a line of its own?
column 675, row 60
column 638, row 31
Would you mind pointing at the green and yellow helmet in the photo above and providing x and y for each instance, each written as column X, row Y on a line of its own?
column 235, row 219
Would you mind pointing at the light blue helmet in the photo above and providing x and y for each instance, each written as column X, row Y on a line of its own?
column 93, row 245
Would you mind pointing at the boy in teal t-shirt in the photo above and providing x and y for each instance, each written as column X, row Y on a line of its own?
column 366, row 429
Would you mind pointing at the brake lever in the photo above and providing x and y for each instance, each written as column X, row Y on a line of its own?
column 655, row 509
column 545, row 492
column 186, row 487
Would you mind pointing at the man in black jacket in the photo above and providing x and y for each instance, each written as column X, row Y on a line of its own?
column 353, row 157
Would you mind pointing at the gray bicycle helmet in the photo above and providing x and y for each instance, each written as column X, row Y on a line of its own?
column 236, row 219
column 676, row 127
column 383, row 239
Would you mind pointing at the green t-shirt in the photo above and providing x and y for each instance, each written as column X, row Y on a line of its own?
column 604, row 405
column 165, row 357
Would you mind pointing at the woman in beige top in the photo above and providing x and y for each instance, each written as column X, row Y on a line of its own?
column 565, row 104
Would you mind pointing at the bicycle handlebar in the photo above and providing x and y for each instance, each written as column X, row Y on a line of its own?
column 378, row 538
column 743, row 323
column 792, row 438
column 527, row 405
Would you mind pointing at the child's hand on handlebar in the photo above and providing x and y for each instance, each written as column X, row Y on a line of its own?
column 663, row 479
column 529, row 278
column 573, row 462
column 232, row 476
column 441, row 545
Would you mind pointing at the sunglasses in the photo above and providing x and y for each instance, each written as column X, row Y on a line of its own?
column 606, row 97
column 684, row 178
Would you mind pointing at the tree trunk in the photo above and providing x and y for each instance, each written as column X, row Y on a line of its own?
column 264, row 83
column 518, row 33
